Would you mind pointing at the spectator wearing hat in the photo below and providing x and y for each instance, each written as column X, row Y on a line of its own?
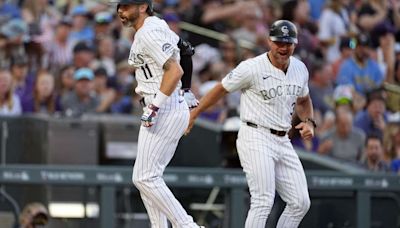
column 346, row 47
column 59, row 51
column 106, row 94
column 16, row 32
column 83, row 55
column 102, row 27
column 81, row 31
column 361, row 71
column 9, row 102
column 373, row 119
column 43, row 100
column 343, row 97
column 83, row 98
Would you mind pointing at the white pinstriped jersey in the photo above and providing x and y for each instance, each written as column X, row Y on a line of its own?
column 268, row 94
column 153, row 45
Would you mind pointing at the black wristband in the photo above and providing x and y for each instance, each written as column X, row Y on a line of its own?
column 311, row 121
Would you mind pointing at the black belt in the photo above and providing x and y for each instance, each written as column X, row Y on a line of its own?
column 273, row 131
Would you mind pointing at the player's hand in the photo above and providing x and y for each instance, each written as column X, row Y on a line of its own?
column 306, row 130
column 149, row 115
column 193, row 116
column 190, row 99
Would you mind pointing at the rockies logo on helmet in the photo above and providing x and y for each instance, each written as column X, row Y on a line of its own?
column 283, row 31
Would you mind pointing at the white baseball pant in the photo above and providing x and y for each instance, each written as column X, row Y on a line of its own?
column 156, row 147
column 270, row 162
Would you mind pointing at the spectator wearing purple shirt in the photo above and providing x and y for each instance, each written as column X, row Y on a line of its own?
column 22, row 80
column 43, row 99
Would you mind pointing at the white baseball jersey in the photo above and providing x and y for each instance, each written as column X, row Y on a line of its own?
column 268, row 97
column 268, row 94
column 153, row 45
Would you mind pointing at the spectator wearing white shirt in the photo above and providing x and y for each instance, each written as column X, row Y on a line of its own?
column 332, row 26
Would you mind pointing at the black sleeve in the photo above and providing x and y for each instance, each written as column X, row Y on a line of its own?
column 186, row 52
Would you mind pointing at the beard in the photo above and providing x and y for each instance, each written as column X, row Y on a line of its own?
column 130, row 20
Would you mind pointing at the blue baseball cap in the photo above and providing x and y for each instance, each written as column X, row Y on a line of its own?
column 84, row 73
column 14, row 28
column 79, row 10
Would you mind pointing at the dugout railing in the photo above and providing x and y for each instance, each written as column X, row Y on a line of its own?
column 108, row 179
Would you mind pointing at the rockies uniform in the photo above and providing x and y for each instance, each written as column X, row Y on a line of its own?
column 153, row 45
column 272, row 86
column 268, row 159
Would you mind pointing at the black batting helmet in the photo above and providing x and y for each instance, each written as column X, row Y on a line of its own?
column 129, row 2
column 283, row 31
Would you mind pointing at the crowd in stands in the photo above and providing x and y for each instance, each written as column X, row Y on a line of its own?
column 69, row 58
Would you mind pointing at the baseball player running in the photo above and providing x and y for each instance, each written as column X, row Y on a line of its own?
column 272, row 86
column 155, row 56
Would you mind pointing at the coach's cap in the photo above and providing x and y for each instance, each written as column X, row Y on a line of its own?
column 84, row 74
column 103, row 17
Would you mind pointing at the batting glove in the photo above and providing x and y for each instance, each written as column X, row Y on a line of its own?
column 190, row 99
column 149, row 115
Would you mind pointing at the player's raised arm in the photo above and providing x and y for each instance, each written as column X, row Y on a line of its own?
column 205, row 102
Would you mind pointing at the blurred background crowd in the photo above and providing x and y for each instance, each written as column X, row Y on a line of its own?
column 68, row 58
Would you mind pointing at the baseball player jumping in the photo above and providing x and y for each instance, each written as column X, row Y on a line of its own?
column 272, row 86
column 155, row 56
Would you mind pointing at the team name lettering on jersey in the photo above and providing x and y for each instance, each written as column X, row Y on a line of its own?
column 289, row 90
column 137, row 59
